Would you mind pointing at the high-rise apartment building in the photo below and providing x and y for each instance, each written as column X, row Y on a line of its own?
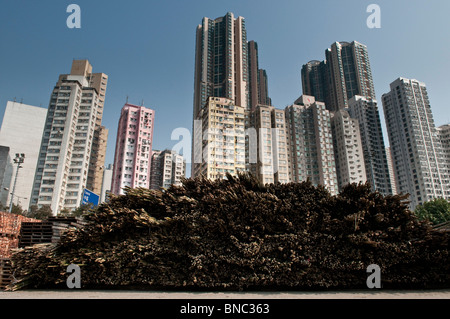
column 98, row 152
column 132, row 158
column 444, row 137
column 316, row 80
column 21, row 132
column 350, row 73
column 219, row 139
column 344, row 73
column 269, row 142
column 156, row 170
column 348, row 152
column 74, row 114
column 310, row 143
column 168, row 168
column 226, row 67
column 258, row 82
column 221, row 69
column 419, row 166
column 377, row 170
column 221, row 61
column 344, row 81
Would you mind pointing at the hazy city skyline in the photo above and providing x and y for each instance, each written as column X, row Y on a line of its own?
column 148, row 50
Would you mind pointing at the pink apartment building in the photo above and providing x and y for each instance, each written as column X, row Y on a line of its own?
column 132, row 159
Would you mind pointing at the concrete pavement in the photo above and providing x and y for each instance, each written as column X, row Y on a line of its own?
column 125, row 294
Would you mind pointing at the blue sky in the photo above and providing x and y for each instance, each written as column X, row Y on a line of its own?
column 147, row 49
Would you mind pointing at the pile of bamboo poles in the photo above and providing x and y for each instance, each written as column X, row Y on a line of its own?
column 238, row 234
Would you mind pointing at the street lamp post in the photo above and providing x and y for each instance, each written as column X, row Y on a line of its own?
column 19, row 159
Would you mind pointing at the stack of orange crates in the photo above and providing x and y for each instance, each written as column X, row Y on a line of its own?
column 10, row 225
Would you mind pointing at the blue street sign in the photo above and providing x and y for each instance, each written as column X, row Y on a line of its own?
column 89, row 197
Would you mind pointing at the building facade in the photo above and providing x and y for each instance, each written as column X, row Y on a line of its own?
column 443, row 132
column 350, row 72
column 221, row 61
column 419, row 166
column 74, row 114
column 316, row 80
column 391, row 170
column 99, row 82
column 106, row 183
column 5, row 178
column 219, row 139
column 269, row 144
column 226, row 67
column 168, row 168
column 132, row 158
column 377, row 170
column 310, row 143
column 348, row 151
column 221, row 68
column 344, row 73
column 258, row 82
column 97, row 160
column 21, row 132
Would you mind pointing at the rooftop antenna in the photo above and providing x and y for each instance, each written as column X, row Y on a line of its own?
column 127, row 99
column 142, row 103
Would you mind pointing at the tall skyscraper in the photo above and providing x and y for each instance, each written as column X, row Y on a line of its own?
column 221, row 61
column 221, row 69
column 168, row 168
column 98, row 81
column 259, row 91
column 415, row 146
column 315, row 80
column 220, row 139
column 132, row 158
column 348, row 151
column 226, row 67
column 21, row 132
column 344, row 73
column 310, row 143
column 350, row 73
column 270, row 145
column 377, row 170
column 344, row 81
column 74, row 114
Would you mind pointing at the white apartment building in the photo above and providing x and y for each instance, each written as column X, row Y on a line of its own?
column 310, row 143
column 415, row 146
column 21, row 131
column 348, row 152
column 65, row 153
column 366, row 112
column 219, row 139
column 168, row 168
column 269, row 142
column 443, row 132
